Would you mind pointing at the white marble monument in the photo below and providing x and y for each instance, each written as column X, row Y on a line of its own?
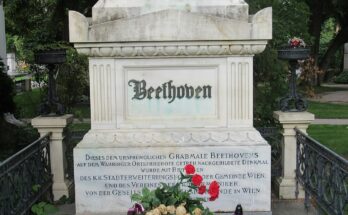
column 171, row 84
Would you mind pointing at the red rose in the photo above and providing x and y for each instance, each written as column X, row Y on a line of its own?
column 197, row 180
column 189, row 169
column 295, row 43
column 213, row 198
column 213, row 191
column 202, row 189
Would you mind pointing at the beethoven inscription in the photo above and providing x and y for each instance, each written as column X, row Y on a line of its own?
column 168, row 91
column 114, row 174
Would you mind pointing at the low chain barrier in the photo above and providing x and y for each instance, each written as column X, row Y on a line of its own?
column 323, row 175
column 25, row 178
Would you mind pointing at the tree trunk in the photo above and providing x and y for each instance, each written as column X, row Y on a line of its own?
column 317, row 19
column 340, row 39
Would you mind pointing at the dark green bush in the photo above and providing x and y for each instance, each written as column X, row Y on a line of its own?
column 12, row 138
column 6, row 92
column 72, row 80
column 342, row 78
column 270, row 85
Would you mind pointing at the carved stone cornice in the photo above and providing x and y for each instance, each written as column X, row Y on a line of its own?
column 171, row 138
column 175, row 49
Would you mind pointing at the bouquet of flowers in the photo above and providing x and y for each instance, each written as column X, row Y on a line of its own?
column 167, row 200
column 296, row 43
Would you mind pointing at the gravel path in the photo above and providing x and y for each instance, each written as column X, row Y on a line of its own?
column 330, row 122
column 338, row 97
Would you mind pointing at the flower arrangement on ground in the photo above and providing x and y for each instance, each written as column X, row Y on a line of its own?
column 166, row 200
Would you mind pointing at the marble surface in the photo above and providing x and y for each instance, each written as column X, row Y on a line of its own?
column 107, row 10
column 105, row 178
column 230, row 103
column 141, row 21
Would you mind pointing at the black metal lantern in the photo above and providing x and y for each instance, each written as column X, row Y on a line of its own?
column 293, row 102
column 51, row 107
column 238, row 210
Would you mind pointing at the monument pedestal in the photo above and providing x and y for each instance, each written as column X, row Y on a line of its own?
column 286, row 185
column 61, row 185
column 106, row 176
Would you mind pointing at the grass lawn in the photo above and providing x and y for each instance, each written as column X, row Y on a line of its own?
column 328, row 111
column 334, row 137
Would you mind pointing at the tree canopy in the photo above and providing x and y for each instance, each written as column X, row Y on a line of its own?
column 323, row 24
column 36, row 23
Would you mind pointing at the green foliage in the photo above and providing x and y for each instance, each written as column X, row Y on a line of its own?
column 14, row 138
column 32, row 27
column 36, row 188
column 43, row 208
column 270, row 84
column 6, row 92
column 36, row 23
column 27, row 103
column 289, row 20
column 342, row 78
column 72, row 80
column 327, row 34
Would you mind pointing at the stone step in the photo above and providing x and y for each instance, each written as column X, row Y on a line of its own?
column 279, row 207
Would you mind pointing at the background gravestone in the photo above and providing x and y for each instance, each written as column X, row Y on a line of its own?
column 345, row 57
column 171, row 84
column 2, row 34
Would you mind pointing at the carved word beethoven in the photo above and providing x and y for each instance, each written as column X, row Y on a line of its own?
column 169, row 91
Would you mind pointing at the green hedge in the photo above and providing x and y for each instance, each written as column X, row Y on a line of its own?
column 342, row 78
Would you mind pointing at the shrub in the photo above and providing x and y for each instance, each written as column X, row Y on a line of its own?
column 342, row 78
column 271, row 84
column 12, row 138
column 6, row 92
column 72, row 81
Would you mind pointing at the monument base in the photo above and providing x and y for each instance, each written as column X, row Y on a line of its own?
column 106, row 175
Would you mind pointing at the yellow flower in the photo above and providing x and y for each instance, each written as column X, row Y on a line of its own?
column 197, row 211
column 171, row 209
column 156, row 211
column 181, row 210
column 163, row 209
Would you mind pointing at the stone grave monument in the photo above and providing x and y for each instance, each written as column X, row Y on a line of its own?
column 171, row 84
